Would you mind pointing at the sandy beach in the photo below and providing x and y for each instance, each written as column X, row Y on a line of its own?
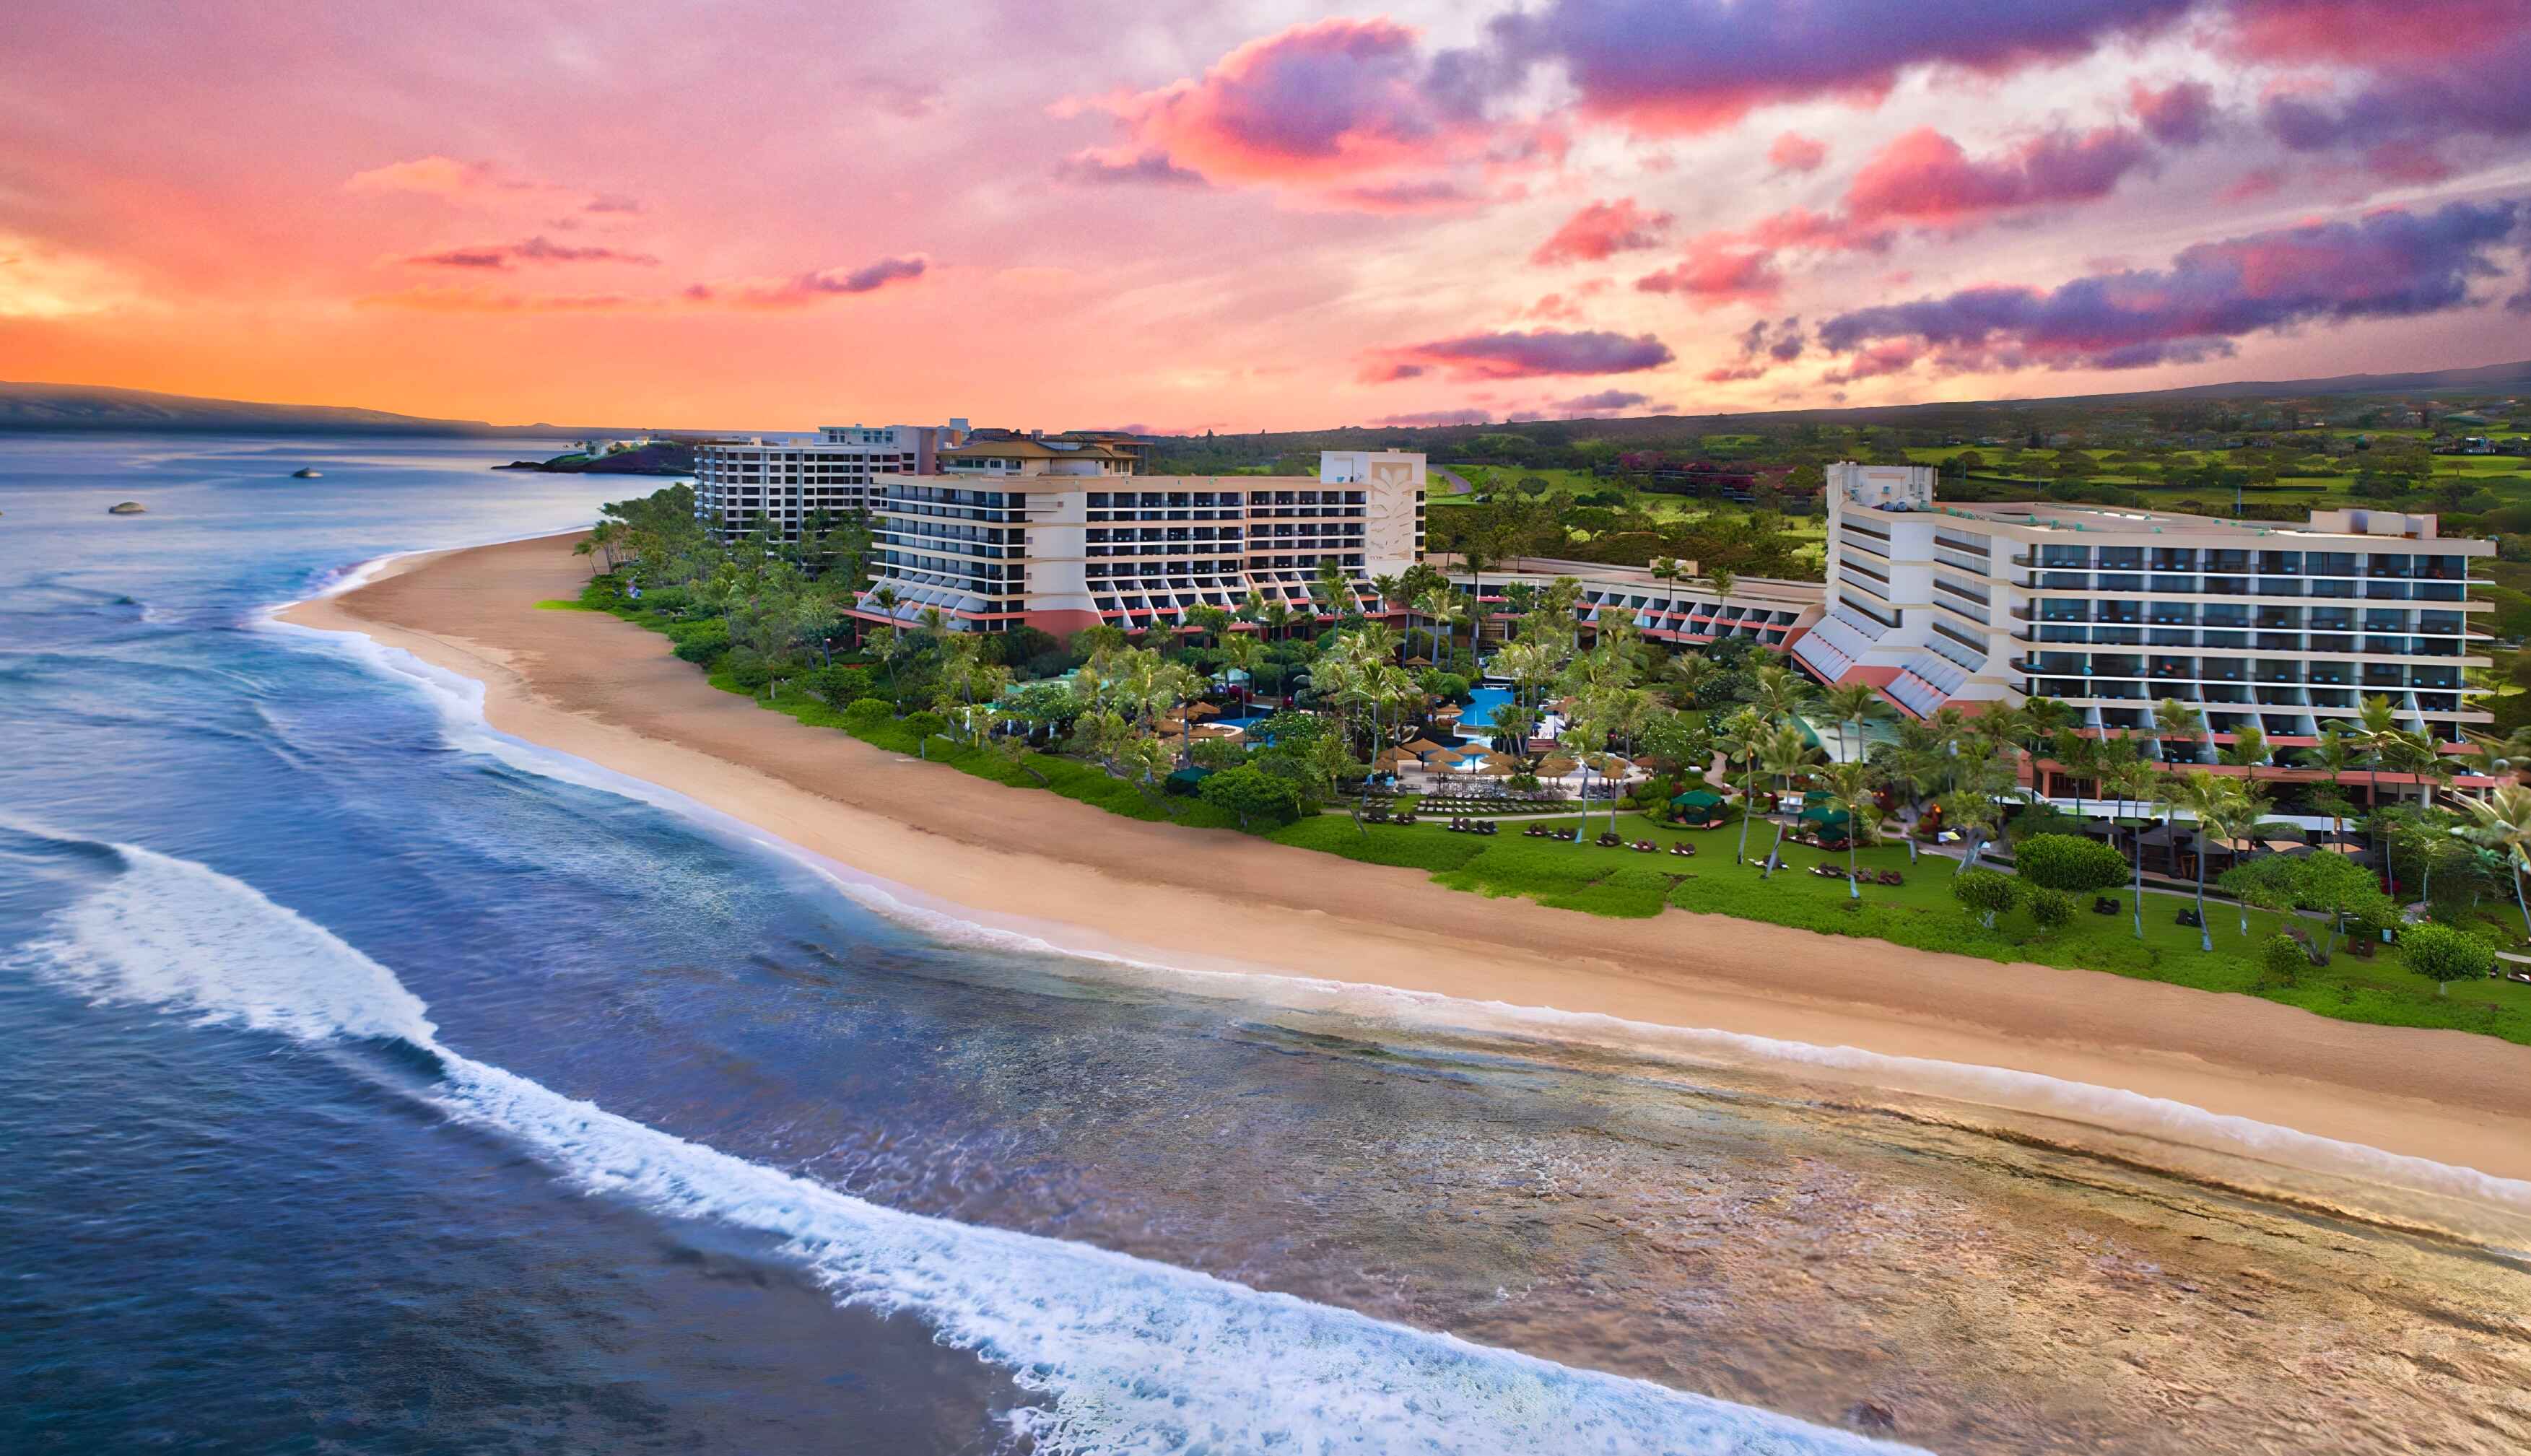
column 610, row 693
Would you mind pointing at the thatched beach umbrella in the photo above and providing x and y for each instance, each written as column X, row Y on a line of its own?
column 1423, row 746
column 1556, row 767
column 1397, row 759
column 1203, row 710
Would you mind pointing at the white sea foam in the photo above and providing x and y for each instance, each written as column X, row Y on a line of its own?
column 1123, row 1354
column 460, row 699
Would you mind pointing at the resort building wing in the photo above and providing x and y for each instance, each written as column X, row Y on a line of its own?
column 2257, row 625
column 1063, row 532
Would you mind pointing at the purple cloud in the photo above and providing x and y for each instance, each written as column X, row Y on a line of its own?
column 1602, row 402
column 2485, row 92
column 1534, row 354
column 807, row 288
column 1698, row 64
column 2388, row 265
column 1096, row 168
column 2177, row 115
column 537, row 249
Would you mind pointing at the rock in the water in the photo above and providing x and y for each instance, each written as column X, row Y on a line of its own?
column 307, row 473
column 126, row 508
column 1872, row 1416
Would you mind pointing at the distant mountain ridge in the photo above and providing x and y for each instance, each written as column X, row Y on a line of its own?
column 98, row 407
column 27, row 407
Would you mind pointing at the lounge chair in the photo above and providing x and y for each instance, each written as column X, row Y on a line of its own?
column 1646, row 847
column 1489, row 827
column 1892, row 877
column 1683, row 849
column 2107, row 905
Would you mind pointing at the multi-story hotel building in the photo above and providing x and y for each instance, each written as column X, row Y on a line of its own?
column 1679, row 610
column 1060, row 532
column 2255, row 624
column 741, row 485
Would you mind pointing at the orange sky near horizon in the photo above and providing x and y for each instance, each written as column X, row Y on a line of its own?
column 1188, row 217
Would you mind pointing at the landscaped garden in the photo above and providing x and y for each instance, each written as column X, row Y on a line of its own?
column 1334, row 736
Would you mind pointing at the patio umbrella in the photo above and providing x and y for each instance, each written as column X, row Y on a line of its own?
column 1423, row 746
column 1494, row 770
column 1396, row 759
column 1558, row 766
column 1826, row 816
column 1696, row 798
column 1203, row 710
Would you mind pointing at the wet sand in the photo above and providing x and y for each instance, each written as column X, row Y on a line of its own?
column 612, row 694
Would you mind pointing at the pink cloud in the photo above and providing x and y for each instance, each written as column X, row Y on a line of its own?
column 2371, row 32
column 1601, row 229
column 1327, row 99
column 1795, row 153
column 1926, row 177
column 1715, row 273
column 1537, row 354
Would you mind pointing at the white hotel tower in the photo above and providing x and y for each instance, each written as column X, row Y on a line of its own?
column 780, row 483
column 2254, row 623
column 1059, row 533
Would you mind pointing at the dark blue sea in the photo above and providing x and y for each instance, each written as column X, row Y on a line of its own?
column 369, row 1082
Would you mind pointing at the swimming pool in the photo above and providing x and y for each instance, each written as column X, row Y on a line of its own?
column 1480, row 711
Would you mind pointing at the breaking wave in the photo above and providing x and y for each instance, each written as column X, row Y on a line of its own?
column 1119, row 1353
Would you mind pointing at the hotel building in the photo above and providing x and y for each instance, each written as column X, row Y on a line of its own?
column 2255, row 624
column 1060, row 532
column 1684, row 610
column 741, row 485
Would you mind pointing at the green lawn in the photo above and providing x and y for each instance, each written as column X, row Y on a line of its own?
column 1921, row 913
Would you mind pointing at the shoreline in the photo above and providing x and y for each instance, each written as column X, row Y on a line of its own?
column 605, row 692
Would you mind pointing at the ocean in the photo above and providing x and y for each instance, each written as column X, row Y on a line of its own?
column 373, row 1082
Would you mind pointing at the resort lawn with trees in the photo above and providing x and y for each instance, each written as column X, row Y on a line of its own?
column 1120, row 722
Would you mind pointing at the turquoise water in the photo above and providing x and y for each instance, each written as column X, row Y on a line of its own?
column 1480, row 711
column 377, row 1083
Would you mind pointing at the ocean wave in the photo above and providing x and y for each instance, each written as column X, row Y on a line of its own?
column 1122, row 1354
column 2115, row 1111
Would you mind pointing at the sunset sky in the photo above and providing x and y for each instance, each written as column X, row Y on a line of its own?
column 1241, row 216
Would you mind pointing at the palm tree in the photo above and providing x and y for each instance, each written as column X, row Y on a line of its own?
column 1689, row 674
column 1588, row 739
column 2173, row 719
column 1853, row 787
column 2501, row 823
column 1779, row 693
column 2378, row 728
column 1723, row 583
column 1741, row 738
column 2140, row 781
column 2333, row 752
column 2079, row 754
column 1972, row 812
column 1913, row 771
column 1786, row 754
column 2223, row 808
column 1851, row 703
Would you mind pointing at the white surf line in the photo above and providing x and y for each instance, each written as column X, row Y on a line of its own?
column 1125, row 1353
column 2106, row 1108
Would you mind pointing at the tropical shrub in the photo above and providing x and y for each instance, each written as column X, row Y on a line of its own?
column 745, row 667
column 867, row 714
column 1250, row 794
column 2284, row 958
column 2052, row 909
column 1987, row 893
column 2444, row 955
column 840, row 685
column 700, row 642
column 2069, row 863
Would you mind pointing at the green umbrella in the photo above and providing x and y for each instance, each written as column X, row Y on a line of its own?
column 1696, row 799
column 1825, row 815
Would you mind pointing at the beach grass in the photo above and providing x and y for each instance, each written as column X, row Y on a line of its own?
column 564, row 604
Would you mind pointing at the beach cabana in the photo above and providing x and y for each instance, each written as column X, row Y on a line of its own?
column 1698, row 805
column 1186, row 780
